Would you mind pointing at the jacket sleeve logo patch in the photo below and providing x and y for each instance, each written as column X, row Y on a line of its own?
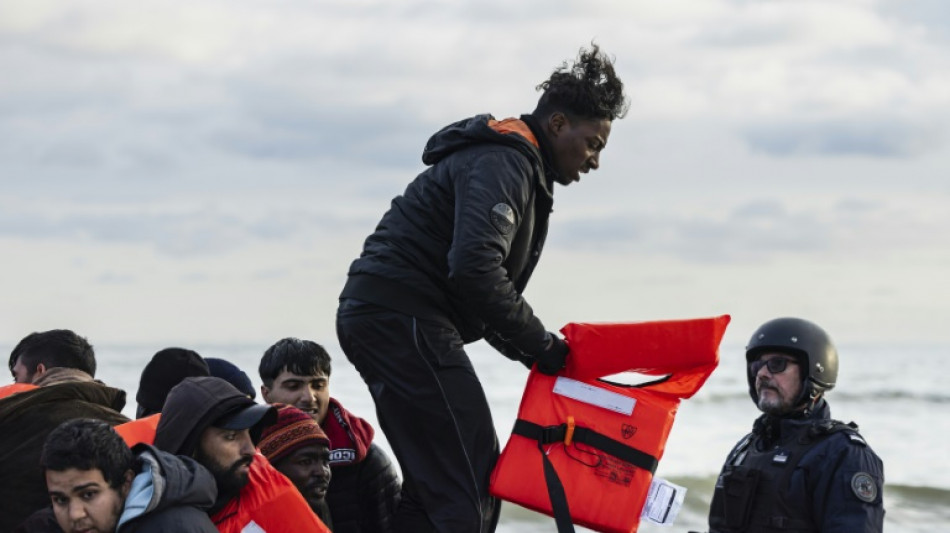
column 864, row 487
column 503, row 218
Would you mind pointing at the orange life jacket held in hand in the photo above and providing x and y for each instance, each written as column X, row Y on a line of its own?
column 584, row 450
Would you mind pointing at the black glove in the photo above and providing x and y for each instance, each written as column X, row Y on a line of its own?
column 554, row 356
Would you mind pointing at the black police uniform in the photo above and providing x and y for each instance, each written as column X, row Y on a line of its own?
column 791, row 475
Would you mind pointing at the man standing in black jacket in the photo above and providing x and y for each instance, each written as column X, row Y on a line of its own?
column 446, row 266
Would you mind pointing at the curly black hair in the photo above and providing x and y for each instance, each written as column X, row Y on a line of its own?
column 589, row 88
column 87, row 444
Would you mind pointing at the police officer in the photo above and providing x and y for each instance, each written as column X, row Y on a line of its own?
column 799, row 470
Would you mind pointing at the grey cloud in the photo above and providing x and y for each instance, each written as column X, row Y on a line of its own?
column 277, row 124
column 271, row 274
column 113, row 278
column 930, row 14
column 751, row 35
column 884, row 138
column 752, row 231
column 195, row 277
column 190, row 233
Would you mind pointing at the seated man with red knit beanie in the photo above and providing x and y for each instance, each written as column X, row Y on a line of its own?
column 219, row 426
column 300, row 450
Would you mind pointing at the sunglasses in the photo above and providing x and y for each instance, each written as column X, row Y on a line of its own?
column 776, row 365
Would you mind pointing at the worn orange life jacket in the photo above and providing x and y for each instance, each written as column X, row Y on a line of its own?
column 10, row 390
column 584, row 450
column 270, row 502
column 140, row 430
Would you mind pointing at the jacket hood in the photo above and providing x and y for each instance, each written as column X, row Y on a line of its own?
column 193, row 405
column 62, row 374
column 90, row 392
column 165, row 480
column 350, row 436
column 478, row 130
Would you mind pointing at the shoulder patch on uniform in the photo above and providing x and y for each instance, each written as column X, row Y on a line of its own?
column 857, row 438
column 864, row 487
column 503, row 218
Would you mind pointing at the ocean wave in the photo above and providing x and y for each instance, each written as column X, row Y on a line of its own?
column 931, row 498
column 924, row 496
column 879, row 395
column 892, row 394
column 909, row 509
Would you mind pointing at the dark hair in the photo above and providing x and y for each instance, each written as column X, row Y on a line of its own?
column 55, row 348
column 165, row 370
column 297, row 356
column 87, row 444
column 588, row 89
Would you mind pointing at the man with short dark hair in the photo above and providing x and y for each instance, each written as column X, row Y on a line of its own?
column 39, row 352
column 96, row 484
column 364, row 495
column 210, row 420
column 49, row 395
column 447, row 265
column 300, row 450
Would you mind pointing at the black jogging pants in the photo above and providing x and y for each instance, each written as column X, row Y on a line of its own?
column 433, row 411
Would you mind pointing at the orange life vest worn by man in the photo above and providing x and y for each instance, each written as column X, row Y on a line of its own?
column 209, row 419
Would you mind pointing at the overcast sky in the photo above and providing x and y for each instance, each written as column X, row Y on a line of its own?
column 205, row 171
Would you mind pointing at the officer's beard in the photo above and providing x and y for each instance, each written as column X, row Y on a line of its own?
column 774, row 403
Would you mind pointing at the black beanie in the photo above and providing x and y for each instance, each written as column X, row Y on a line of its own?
column 166, row 369
column 228, row 371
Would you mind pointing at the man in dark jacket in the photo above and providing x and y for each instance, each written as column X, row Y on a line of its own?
column 39, row 352
column 97, row 484
column 446, row 266
column 300, row 450
column 26, row 419
column 209, row 419
column 798, row 470
column 364, row 494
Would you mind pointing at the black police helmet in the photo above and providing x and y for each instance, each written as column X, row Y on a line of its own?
column 803, row 340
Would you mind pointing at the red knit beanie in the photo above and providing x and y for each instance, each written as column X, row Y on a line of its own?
column 294, row 429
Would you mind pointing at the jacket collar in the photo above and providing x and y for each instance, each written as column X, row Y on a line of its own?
column 547, row 151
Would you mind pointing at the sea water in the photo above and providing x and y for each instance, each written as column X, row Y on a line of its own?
column 896, row 394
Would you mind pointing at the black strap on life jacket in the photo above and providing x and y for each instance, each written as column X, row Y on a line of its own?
column 552, row 434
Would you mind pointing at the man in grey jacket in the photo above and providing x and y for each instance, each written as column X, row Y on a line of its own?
column 96, row 483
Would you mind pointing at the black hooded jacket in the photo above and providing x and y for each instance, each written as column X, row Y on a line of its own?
column 26, row 419
column 170, row 493
column 192, row 406
column 459, row 245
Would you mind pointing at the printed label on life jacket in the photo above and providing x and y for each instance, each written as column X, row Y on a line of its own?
column 663, row 502
column 590, row 394
column 615, row 470
column 252, row 527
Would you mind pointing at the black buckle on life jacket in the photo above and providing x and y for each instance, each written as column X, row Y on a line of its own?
column 559, row 433
column 552, row 434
